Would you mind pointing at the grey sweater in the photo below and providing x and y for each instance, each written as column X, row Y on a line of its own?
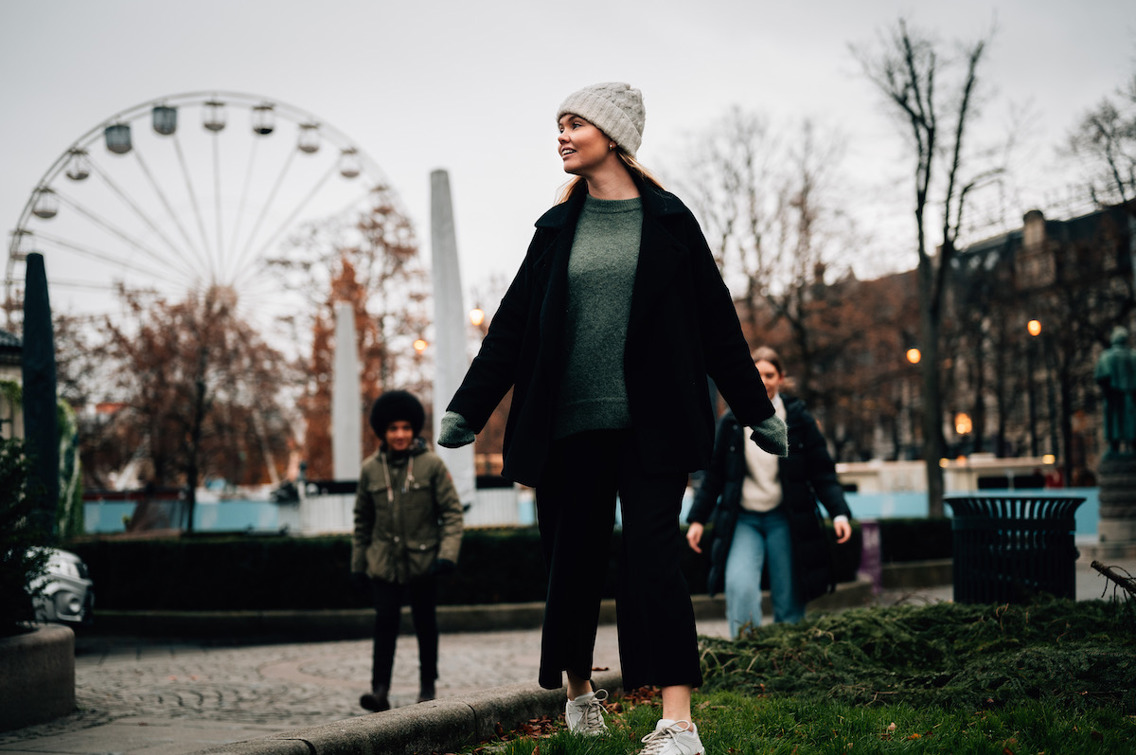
column 601, row 274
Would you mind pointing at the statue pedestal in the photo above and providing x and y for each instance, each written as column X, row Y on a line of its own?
column 1117, row 528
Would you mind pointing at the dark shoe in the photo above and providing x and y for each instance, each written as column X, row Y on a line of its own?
column 376, row 700
column 426, row 692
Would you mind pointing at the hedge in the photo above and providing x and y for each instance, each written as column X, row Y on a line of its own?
column 251, row 572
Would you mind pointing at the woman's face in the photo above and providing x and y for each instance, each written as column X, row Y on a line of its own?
column 583, row 147
column 770, row 376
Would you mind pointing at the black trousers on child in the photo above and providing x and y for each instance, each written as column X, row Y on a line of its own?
column 575, row 500
column 422, row 595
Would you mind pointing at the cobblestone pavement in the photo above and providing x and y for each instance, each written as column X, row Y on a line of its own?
column 137, row 689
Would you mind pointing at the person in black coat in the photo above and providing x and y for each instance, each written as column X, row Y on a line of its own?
column 606, row 336
column 765, row 513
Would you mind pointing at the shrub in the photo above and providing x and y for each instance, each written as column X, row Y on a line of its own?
column 20, row 562
column 243, row 572
column 1075, row 654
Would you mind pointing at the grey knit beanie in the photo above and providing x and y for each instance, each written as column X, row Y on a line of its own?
column 614, row 108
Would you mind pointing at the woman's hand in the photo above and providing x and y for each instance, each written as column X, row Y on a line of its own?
column 842, row 528
column 694, row 536
column 455, row 433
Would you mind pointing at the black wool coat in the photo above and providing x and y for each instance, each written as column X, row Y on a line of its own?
column 682, row 327
column 807, row 475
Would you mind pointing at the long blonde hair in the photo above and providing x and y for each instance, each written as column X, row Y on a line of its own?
column 579, row 183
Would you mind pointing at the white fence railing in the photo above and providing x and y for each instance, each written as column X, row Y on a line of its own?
column 334, row 512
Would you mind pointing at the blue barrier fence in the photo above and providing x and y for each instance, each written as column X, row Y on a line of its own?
column 264, row 516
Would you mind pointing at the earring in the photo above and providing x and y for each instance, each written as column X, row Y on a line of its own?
column 610, row 147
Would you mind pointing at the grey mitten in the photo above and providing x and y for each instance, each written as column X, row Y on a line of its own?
column 772, row 436
column 455, row 433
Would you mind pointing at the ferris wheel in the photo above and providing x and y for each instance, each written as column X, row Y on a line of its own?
column 187, row 192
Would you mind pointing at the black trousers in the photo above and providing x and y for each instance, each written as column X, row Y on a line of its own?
column 422, row 595
column 658, row 641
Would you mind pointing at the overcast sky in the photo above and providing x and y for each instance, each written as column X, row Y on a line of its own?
column 472, row 87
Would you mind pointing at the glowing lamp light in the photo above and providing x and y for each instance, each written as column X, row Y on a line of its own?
column 1048, row 459
column 476, row 316
column 420, row 345
column 963, row 425
column 1033, row 327
column 914, row 355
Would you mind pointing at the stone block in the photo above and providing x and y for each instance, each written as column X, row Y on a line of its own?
column 37, row 676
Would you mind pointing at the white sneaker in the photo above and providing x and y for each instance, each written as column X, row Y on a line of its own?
column 673, row 738
column 584, row 715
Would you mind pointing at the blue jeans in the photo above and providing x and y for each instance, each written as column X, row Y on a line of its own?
column 759, row 538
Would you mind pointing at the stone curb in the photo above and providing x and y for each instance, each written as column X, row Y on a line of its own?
column 437, row 726
column 359, row 623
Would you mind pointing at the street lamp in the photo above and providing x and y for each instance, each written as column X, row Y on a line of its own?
column 1033, row 327
column 913, row 356
column 476, row 317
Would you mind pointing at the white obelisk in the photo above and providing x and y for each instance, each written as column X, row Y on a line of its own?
column 346, row 401
column 450, row 359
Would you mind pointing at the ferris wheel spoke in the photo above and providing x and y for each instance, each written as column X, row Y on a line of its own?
column 112, row 228
column 169, row 208
column 295, row 212
column 116, row 260
column 267, row 205
column 244, row 199
column 151, row 223
column 217, row 198
column 193, row 202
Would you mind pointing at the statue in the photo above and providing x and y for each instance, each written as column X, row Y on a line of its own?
column 1116, row 375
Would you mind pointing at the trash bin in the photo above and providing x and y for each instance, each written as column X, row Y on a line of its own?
column 1007, row 549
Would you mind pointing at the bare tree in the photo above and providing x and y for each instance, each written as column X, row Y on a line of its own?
column 1104, row 144
column 907, row 69
column 775, row 224
column 371, row 261
column 201, row 393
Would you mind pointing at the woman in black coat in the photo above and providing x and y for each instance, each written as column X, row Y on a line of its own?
column 606, row 336
column 766, row 513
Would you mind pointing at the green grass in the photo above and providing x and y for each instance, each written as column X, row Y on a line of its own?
column 1049, row 677
column 730, row 723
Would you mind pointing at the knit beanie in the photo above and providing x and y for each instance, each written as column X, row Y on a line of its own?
column 393, row 406
column 614, row 108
